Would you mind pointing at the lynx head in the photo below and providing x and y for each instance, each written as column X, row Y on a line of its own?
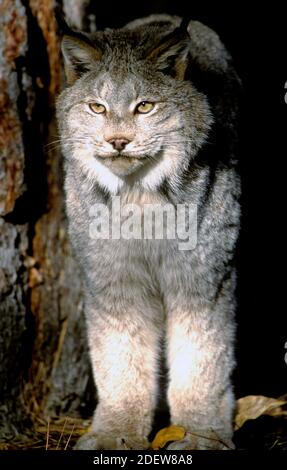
column 129, row 115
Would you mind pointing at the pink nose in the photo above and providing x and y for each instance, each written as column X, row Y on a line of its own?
column 119, row 143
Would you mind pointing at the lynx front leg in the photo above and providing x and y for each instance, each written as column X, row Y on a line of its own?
column 200, row 359
column 123, row 348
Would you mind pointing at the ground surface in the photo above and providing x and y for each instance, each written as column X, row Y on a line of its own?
column 260, row 423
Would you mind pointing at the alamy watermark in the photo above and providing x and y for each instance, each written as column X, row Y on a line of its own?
column 148, row 221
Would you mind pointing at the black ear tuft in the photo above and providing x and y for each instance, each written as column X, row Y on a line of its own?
column 184, row 25
column 62, row 24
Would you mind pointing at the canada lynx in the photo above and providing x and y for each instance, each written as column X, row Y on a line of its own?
column 149, row 118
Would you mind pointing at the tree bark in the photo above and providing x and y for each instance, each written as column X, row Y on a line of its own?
column 44, row 365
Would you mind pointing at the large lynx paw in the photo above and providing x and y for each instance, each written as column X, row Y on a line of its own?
column 202, row 441
column 102, row 441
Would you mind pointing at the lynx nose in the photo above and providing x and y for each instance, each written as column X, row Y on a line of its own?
column 119, row 143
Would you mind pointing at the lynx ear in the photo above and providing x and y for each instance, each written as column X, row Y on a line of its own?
column 79, row 57
column 79, row 53
column 170, row 54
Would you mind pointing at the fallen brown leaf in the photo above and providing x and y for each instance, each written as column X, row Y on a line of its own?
column 253, row 406
column 170, row 434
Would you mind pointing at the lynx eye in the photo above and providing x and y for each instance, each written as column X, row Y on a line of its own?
column 97, row 108
column 144, row 107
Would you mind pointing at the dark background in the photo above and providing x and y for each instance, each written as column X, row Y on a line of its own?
column 256, row 39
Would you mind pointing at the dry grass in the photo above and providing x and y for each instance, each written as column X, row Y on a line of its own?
column 53, row 434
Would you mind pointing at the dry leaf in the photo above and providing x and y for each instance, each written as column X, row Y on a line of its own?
column 170, row 434
column 253, row 406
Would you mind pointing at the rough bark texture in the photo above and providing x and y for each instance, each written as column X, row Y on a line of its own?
column 44, row 366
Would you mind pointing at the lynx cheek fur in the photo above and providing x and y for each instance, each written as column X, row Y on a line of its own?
column 150, row 115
